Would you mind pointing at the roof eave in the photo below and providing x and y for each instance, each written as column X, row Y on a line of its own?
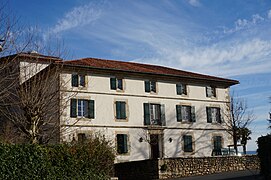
column 227, row 82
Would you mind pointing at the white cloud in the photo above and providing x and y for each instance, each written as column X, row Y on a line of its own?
column 78, row 16
column 195, row 3
column 241, row 24
column 269, row 14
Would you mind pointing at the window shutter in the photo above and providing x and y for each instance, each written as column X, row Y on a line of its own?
column 91, row 109
column 86, row 108
column 82, row 80
column 119, row 143
column 209, row 115
column 163, row 115
column 147, row 114
column 125, row 144
column 123, row 110
column 113, row 83
column 120, row 86
column 179, row 113
column 219, row 120
column 193, row 114
column 74, row 80
column 147, row 86
column 179, row 89
column 73, row 105
column 118, row 110
column 153, row 86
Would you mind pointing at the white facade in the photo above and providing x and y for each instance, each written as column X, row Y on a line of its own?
column 169, row 137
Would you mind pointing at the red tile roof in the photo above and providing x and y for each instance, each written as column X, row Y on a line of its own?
column 143, row 68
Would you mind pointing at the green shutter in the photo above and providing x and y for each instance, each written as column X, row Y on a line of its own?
column 209, row 115
column 153, row 86
column 113, row 83
column 125, row 144
column 118, row 110
column 82, row 80
column 74, row 80
column 147, row 114
column 163, row 115
column 147, row 86
column 193, row 114
column 179, row 89
column 119, row 143
column 73, row 106
column 123, row 110
column 218, row 116
column 120, row 86
column 179, row 113
column 91, row 109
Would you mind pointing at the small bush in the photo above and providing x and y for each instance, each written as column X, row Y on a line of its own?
column 90, row 160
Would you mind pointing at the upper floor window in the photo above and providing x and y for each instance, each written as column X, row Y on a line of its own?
column 78, row 80
column 188, row 143
column 122, row 145
column 213, row 115
column 185, row 113
column 120, row 110
column 154, row 114
column 150, row 86
column 210, row 91
column 82, row 108
column 116, row 83
column 181, row 89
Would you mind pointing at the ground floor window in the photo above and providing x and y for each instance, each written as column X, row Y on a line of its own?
column 122, row 145
column 188, row 143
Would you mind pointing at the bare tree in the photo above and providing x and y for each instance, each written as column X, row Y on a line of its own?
column 238, row 121
column 33, row 104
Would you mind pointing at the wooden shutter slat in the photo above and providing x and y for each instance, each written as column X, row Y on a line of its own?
column 73, row 112
column 147, row 114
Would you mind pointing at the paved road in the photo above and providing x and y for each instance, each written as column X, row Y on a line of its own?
column 238, row 175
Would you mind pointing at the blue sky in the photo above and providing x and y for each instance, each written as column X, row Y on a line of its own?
column 230, row 38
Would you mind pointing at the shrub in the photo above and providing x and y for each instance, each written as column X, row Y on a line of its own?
column 90, row 160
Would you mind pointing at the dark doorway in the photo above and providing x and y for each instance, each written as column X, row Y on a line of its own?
column 155, row 143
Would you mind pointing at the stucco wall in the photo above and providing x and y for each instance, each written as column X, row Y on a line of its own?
column 98, row 89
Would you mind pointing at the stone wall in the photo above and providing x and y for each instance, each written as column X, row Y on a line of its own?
column 183, row 167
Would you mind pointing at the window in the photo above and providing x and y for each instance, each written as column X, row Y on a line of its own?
column 217, row 150
column 185, row 113
column 122, row 146
column 213, row 115
column 81, row 137
column 154, row 114
column 82, row 108
column 210, row 91
column 120, row 110
column 188, row 143
column 150, row 86
column 78, row 80
column 181, row 89
column 116, row 84
column 217, row 142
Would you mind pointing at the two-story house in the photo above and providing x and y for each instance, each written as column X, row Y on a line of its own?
column 148, row 111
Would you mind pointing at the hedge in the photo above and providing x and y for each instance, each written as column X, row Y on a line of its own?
column 91, row 160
